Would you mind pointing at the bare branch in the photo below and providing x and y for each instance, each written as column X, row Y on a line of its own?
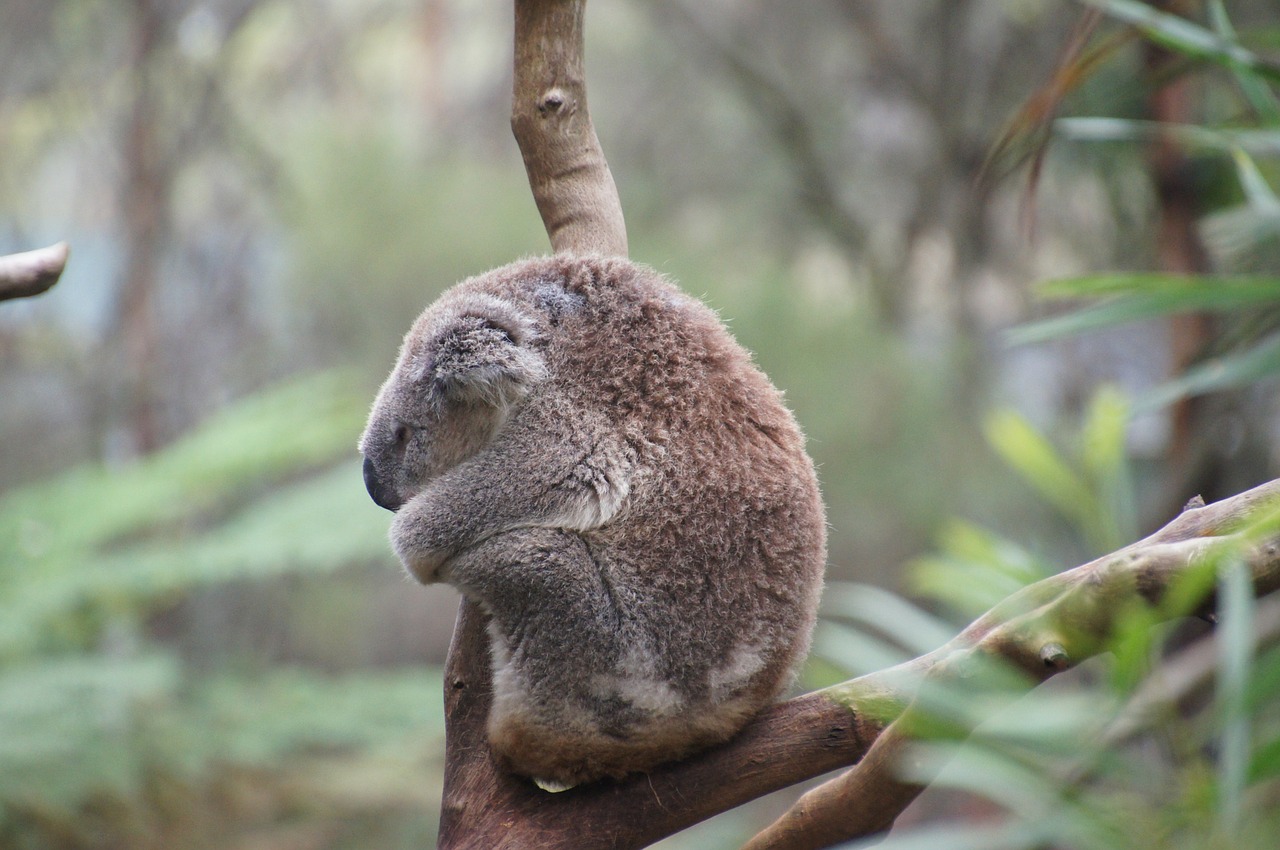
column 32, row 272
column 570, row 179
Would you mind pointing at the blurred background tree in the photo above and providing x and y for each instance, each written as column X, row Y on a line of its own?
column 204, row 640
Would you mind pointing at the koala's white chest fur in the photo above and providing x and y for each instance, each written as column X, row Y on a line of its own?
column 587, row 453
column 603, row 488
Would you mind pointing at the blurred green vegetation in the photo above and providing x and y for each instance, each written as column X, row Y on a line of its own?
column 1156, row 743
column 100, row 716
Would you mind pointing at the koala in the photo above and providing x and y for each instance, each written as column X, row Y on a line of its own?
column 587, row 453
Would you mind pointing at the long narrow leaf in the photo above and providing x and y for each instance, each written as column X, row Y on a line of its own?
column 313, row 526
column 1102, row 452
column 1229, row 287
column 1236, row 651
column 1256, row 188
column 1184, row 36
column 1264, row 142
column 1252, row 86
column 1236, row 232
column 891, row 614
column 1261, row 361
column 1039, row 464
column 1161, row 301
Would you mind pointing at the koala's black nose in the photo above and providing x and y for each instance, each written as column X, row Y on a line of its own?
column 382, row 496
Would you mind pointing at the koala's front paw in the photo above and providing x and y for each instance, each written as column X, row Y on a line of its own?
column 413, row 543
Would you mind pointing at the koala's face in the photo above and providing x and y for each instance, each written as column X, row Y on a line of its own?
column 462, row 371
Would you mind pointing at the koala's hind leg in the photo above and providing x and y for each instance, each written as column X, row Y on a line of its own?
column 573, row 679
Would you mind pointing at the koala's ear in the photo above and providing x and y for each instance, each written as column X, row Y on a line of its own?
column 483, row 359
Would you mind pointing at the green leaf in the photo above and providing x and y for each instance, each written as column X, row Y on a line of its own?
column 1236, row 232
column 1188, row 589
column 78, row 727
column 70, row 723
column 1039, row 464
column 973, row 569
column 1235, row 642
column 1264, row 685
column 1258, row 142
column 1138, row 297
column 302, row 424
column 1252, row 85
column 893, row 616
column 1184, row 36
column 1217, row 373
column 853, row 650
column 1102, row 453
column 316, row 525
column 1229, row 290
column 1265, row 764
column 1028, row 791
column 1255, row 186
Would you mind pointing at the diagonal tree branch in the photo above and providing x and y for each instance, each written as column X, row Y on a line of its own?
column 32, row 272
column 1046, row 628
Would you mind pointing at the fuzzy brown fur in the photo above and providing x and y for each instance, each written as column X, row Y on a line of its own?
column 586, row 452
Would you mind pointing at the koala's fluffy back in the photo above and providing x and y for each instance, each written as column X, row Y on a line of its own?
column 707, row 564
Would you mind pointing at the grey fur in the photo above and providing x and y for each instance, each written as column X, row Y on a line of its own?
column 587, row 453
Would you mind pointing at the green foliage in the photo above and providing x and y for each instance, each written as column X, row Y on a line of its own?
column 1092, row 490
column 972, row 569
column 100, row 717
column 96, row 542
column 92, row 724
column 1190, row 39
column 1135, row 297
column 1209, row 784
column 1243, row 229
column 1118, row 758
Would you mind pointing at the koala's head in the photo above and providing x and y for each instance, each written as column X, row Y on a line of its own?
column 466, row 364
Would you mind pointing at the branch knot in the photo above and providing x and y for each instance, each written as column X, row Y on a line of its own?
column 1054, row 655
column 552, row 101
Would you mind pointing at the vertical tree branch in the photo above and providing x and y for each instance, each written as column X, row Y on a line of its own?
column 570, row 179
column 148, row 175
column 580, row 208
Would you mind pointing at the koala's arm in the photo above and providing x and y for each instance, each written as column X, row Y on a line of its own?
column 540, row 472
